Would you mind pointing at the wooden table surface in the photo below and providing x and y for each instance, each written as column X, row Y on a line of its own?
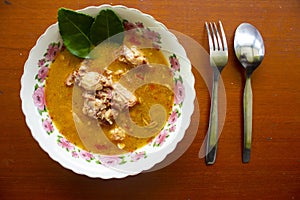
column 27, row 172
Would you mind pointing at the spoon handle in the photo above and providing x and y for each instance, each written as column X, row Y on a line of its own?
column 212, row 134
column 247, row 120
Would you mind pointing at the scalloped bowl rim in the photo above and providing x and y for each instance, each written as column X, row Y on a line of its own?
column 78, row 166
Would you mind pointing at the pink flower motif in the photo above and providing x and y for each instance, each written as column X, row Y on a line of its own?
column 137, row 156
column 51, row 51
column 63, row 142
column 42, row 62
column 129, row 26
column 161, row 137
column 134, row 40
column 47, row 124
column 173, row 128
column 173, row 117
column 39, row 98
column 139, row 24
column 179, row 92
column 42, row 74
column 86, row 155
column 174, row 63
column 151, row 35
column 75, row 154
column 110, row 160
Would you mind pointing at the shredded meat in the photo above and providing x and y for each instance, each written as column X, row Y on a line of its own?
column 131, row 55
column 103, row 99
column 70, row 80
column 117, row 134
column 122, row 98
column 76, row 75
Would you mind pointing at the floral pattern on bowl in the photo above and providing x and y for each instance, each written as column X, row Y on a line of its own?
column 39, row 88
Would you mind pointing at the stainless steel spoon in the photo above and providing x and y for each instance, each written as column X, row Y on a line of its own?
column 249, row 50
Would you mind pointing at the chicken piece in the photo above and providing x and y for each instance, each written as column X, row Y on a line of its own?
column 102, row 100
column 75, row 76
column 91, row 81
column 117, row 134
column 98, row 107
column 92, row 105
column 122, row 98
column 131, row 55
column 106, row 117
column 70, row 80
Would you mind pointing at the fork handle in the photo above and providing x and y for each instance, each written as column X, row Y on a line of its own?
column 247, row 120
column 212, row 134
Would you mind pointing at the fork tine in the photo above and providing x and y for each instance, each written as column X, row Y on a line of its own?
column 218, row 37
column 214, row 37
column 223, row 36
column 210, row 42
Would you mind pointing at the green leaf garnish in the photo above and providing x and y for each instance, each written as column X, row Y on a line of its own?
column 81, row 32
column 106, row 25
column 74, row 29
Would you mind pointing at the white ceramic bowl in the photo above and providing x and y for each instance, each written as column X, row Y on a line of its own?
column 87, row 163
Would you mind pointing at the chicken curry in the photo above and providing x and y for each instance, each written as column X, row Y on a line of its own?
column 87, row 103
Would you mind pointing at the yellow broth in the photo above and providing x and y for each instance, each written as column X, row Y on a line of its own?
column 59, row 100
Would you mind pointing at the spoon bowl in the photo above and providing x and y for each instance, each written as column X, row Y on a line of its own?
column 249, row 50
column 249, row 46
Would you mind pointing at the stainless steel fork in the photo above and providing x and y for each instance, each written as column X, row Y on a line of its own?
column 218, row 59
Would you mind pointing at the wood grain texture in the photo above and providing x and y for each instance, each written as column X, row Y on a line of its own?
column 26, row 172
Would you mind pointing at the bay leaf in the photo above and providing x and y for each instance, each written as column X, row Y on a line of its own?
column 74, row 28
column 107, row 25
